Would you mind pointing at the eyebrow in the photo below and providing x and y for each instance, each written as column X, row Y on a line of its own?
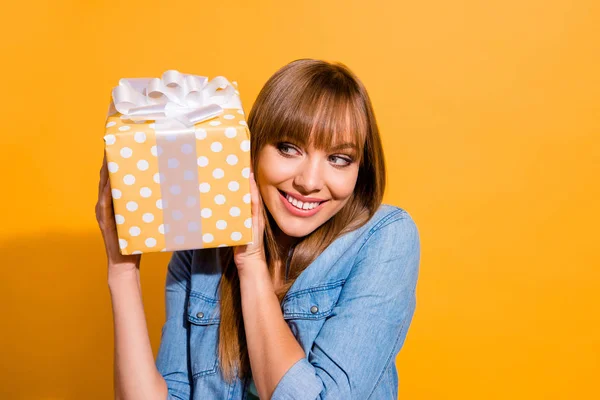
column 337, row 147
column 344, row 146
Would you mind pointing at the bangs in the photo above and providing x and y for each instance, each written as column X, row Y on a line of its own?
column 327, row 117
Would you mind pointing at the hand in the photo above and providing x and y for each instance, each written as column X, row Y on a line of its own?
column 117, row 263
column 248, row 254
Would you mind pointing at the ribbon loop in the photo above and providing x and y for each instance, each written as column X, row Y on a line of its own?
column 175, row 101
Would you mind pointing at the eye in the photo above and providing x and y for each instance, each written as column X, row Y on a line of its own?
column 284, row 148
column 344, row 161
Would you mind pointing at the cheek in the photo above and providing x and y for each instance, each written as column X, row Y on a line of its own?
column 273, row 170
column 341, row 186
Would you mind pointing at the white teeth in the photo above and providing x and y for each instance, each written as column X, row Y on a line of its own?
column 301, row 205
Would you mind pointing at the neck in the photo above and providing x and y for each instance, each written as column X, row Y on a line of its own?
column 285, row 242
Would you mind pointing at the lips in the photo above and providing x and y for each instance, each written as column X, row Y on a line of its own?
column 285, row 194
column 297, row 211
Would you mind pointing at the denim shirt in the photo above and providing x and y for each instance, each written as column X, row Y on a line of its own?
column 350, row 311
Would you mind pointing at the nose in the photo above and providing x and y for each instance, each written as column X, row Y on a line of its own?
column 309, row 178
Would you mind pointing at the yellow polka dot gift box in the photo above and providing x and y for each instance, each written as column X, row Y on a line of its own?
column 178, row 154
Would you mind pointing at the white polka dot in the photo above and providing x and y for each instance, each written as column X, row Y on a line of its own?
column 175, row 189
column 126, row 152
column 228, row 116
column 143, row 165
column 167, row 228
column 173, row 163
column 153, row 150
column 136, row 252
column 242, row 122
column 218, row 173
column 150, row 242
column 131, row 206
column 152, row 125
column 129, row 179
column 200, row 133
column 156, row 177
column 179, row 239
column 231, row 132
column 232, row 159
column 220, row 199
column 234, row 211
column 193, row 226
column 148, row 217
column 110, row 139
column 216, row 146
column 248, row 223
column 111, row 123
column 233, row 186
column 204, row 187
column 159, row 204
column 214, row 123
column 247, row 198
column 159, row 150
column 139, row 137
column 171, row 137
column 236, row 236
column 119, row 219
column 245, row 145
column 202, row 161
column 221, row 224
column 161, row 229
column 207, row 238
column 206, row 213
column 116, row 193
column 246, row 172
column 177, row 215
column 124, row 128
column 223, row 245
column 145, row 192
column 122, row 243
column 240, row 111
column 135, row 231
column 186, row 149
column 191, row 201
column 188, row 175
column 113, row 167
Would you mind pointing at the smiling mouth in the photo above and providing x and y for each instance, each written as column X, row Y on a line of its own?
column 309, row 204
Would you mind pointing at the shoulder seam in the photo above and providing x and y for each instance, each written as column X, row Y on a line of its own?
column 381, row 223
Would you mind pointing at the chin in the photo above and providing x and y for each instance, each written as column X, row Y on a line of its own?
column 295, row 227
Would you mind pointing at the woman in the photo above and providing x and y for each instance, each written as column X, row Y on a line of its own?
column 320, row 304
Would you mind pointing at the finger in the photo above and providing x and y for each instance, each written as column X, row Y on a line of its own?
column 108, row 196
column 253, row 195
column 103, row 175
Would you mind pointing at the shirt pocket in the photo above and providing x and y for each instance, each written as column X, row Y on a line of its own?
column 204, row 316
column 306, row 310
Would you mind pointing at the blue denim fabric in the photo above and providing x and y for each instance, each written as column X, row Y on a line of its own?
column 350, row 310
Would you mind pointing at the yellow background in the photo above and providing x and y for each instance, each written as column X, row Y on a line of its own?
column 490, row 116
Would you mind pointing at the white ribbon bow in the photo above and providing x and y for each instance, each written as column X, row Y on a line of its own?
column 176, row 101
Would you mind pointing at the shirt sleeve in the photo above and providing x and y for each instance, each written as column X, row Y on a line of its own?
column 368, row 325
column 172, row 358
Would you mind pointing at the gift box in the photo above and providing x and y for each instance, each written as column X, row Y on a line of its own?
column 178, row 154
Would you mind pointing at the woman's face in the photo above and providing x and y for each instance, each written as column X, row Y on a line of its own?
column 318, row 183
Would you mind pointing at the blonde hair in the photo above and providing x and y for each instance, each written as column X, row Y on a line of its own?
column 309, row 102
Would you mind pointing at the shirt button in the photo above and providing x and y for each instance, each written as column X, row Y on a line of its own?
column 200, row 315
column 314, row 309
